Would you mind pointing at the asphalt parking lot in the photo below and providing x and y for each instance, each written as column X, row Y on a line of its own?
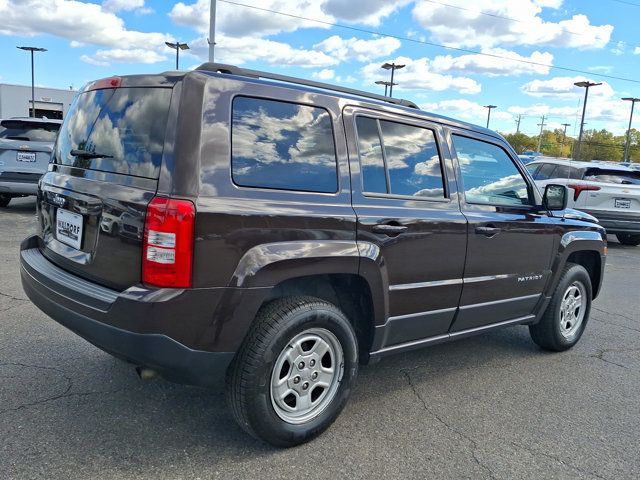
column 494, row 406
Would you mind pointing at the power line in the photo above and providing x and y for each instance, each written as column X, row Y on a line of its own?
column 627, row 3
column 432, row 44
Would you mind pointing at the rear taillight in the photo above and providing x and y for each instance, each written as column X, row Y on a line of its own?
column 578, row 189
column 111, row 82
column 168, row 243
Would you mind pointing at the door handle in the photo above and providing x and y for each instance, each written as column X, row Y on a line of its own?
column 388, row 229
column 488, row 231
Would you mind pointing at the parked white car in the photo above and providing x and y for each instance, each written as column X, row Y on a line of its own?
column 608, row 191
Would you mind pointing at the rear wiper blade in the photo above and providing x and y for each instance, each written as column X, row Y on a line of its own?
column 87, row 154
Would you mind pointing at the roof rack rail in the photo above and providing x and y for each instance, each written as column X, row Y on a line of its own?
column 244, row 72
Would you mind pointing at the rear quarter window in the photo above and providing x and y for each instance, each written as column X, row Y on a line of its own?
column 283, row 146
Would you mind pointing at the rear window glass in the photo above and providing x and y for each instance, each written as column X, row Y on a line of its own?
column 612, row 176
column 28, row 131
column 124, row 128
column 282, row 145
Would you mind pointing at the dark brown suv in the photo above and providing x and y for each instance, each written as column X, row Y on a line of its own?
column 280, row 232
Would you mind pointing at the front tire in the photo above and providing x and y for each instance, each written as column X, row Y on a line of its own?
column 628, row 239
column 567, row 314
column 294, row 372
column 4, row 200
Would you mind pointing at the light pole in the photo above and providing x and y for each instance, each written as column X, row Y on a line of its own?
column 33, row 86
column 393, row 67
column 489, row 107
column 626, row 145
column 585, row 85
column 386, row 85
column 177, row 47
column 212, row 30
column 564, row 135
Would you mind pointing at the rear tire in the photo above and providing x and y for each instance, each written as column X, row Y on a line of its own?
column 567, row 314
column 294, row 372
column 4, row 199
column 628, row 239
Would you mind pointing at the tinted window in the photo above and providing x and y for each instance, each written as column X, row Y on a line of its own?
column 612, row 176
column 565, row 171
column 413, row 160
column 282, row 145
column 29, row 131
column 488, row 173
column 410, row 154
column 125, row 125
column 546, row 171
column 533, row 167
column 371, row 161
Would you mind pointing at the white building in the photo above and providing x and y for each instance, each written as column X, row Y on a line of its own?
column 15, row 101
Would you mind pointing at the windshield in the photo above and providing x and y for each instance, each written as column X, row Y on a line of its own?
column 120, row 130
column 29, row 131
column 612, row 176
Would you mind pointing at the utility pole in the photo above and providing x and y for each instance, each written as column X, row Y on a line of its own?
column 518, row 123
column 212, row 30
column 564, row 135
column 626, row 145
column 540, row 136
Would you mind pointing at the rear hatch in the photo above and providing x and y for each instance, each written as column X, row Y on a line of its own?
column 25, row 148
column 105, row 169
column 618, row 192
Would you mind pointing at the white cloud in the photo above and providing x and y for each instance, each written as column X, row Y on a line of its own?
column 564, row 88
column 418, row 75
column 636, row 51
column 619, row 48
column 492, row 66
column 117, row 55
column 355, row 49
column 461, row 25
column 120, row 5
column 369, row 12
column 324, row 74
column 465, row 109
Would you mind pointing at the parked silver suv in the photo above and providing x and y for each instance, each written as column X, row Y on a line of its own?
column 25, row 148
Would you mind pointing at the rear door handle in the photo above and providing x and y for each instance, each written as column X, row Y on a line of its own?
column 388, row 229
column 488, row 231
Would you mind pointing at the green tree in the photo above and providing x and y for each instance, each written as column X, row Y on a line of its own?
column 521, row 142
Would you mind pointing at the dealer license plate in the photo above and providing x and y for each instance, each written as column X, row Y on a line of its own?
column 69, row 228
column 26, row 156
column 622, row 203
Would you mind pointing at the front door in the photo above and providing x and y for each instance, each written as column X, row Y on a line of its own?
column 509, row 244
column 405, row 199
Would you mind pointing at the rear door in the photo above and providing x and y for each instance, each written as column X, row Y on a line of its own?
column 105, row 170
column 510, row 247
column 405, row 199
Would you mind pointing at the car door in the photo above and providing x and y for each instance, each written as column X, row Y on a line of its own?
column 510, row 243
column 405, row 199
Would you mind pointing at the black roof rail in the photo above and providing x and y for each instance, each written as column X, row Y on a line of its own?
column 244, row 72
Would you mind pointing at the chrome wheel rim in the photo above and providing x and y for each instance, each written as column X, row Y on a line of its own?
column 306, row 376
column 572, row 310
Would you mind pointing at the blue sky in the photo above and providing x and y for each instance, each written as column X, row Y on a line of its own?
column 89, row 40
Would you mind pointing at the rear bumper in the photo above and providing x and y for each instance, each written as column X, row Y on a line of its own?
column 617, row 222
column 19, row 188
column 162, row 329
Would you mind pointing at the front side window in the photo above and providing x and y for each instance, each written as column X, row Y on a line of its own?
column 488, row 174
column 399, row 159
column 282, row 145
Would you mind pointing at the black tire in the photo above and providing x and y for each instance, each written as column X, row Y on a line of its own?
column 547, row 333
column 248, row 382
column 628, row 239
column 4, row 199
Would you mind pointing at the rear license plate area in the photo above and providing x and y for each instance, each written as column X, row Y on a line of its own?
column 69, row 228
column 622, row 203
column 26, row 157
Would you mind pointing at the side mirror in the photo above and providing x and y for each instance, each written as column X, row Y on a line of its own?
column 555, row 197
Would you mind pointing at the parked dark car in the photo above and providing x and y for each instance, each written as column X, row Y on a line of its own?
column 25, row 149
column 292, row 231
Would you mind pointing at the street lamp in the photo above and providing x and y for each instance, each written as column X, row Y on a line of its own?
column 33, row 86
column 393, row 67
column 489, row 107
column 386, row 85
column 585, row 85
column 177, row 47
column 626, row 145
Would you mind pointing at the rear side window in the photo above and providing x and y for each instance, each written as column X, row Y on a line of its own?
column 399, row 159
column 612, row 176
column 565, row 171
column 488, row 174
column 123, row 127
column 282, row 145
column 546, row 171
column 29, row 131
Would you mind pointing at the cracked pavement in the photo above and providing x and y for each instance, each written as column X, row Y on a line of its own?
column 493, row 406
